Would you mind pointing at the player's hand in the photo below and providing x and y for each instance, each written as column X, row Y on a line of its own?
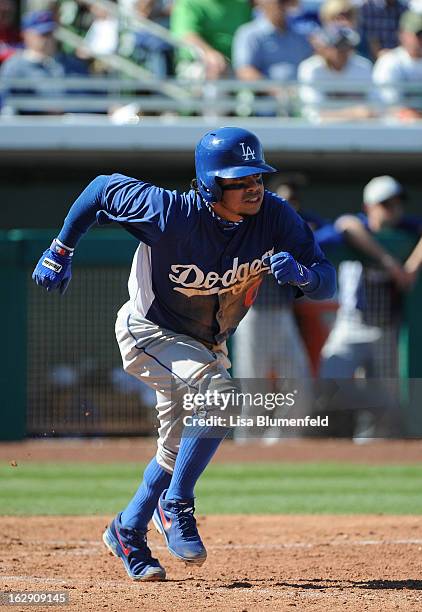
column 54, row 269
column 287, row 270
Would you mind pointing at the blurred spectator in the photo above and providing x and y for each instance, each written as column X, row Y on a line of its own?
column 210, row 26
column 331, row 75
column 341, row 13
column 102, row 37
column 266, row 47
column 303, row 19
column 9, row 34
column 379, row 24
column 345, row 14
column 400, row 67
column 40, row 58
column 156, row 10
column 363, row 342
column 350, row 342
column 144, row 47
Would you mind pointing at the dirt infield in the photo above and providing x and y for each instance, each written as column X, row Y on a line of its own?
column 106, row 450
column 304, row 563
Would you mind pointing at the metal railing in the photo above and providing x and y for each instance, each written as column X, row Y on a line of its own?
column 124, row 66
column 117, row 61
column 149, row 96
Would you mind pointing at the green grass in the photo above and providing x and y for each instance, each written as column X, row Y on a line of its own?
column 263, row 488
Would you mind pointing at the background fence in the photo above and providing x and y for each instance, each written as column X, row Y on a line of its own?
column 61, row 369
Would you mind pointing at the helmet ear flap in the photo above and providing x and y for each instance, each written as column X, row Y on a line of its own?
column 211, row 193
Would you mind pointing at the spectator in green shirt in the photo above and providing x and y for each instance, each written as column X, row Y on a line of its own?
column 210, row 26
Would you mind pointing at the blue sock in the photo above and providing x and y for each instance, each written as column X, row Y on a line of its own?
column 195, row 452
column 140, row 509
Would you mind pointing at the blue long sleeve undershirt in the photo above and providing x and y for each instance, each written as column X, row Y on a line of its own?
column 82, row 214
column 323, row 282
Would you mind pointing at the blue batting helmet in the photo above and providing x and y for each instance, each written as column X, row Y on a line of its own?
column 229, row 152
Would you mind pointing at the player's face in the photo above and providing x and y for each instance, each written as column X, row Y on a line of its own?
column 242, row 197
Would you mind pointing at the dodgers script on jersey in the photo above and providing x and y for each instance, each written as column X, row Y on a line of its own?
column 192, row 273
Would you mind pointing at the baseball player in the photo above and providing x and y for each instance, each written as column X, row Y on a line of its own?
column 365, row 333
column 201, row 257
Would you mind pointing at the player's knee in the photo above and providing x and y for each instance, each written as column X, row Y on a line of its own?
column 223, row 397
column 166, row 458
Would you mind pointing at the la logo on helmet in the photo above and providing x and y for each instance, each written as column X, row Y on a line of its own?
column 248, row 152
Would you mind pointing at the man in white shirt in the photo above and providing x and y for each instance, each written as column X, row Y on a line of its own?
column 400, row 67
column 335, row 82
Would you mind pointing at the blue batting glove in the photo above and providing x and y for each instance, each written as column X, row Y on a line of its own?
column 53, row 271
column 287, row 270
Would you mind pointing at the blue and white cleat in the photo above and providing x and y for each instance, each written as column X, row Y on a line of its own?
column 174, row 519
column 131, row 546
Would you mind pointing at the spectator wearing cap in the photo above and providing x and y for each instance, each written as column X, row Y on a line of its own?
column 341, row 13
column 329, row 79
column 383, row 207
column 379, row 25
column 345, row 14
column 40, row 58
column 400, row 67
column 364, row 338
column 267, row 47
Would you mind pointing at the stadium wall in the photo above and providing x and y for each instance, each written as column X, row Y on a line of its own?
column 45, row 163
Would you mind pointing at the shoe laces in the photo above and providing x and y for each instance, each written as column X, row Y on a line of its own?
column 186, row 519
column 137, row 538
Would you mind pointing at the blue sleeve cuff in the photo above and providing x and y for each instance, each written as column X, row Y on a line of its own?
column 323, row 283
column 314, row 281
